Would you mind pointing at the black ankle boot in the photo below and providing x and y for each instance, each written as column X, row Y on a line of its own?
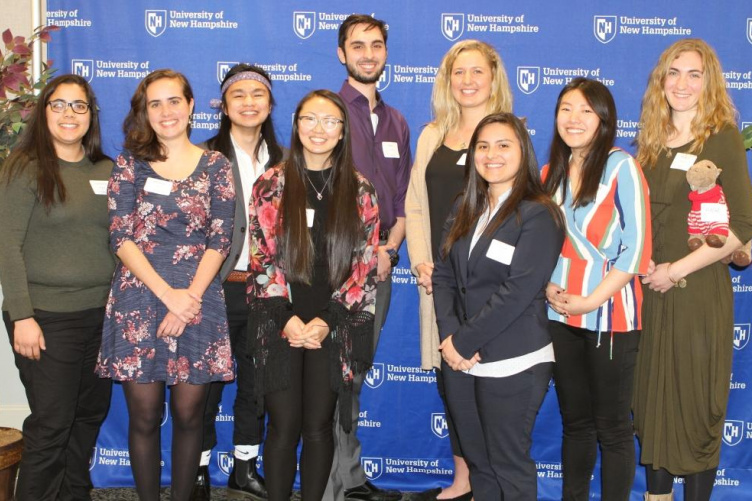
column 245, row 482
column 202, row 487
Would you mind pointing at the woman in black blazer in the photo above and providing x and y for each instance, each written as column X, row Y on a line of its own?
column 501, row 243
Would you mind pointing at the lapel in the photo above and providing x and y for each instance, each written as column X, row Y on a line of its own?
column 462, row 247
column 484, row 242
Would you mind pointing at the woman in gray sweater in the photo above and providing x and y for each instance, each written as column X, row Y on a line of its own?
column 55, row 270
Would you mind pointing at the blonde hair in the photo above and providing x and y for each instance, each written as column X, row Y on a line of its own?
column 715, row 109
column 446, row 110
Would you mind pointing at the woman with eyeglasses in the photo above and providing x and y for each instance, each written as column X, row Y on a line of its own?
column 171, row 219
column 314, row 230
column 55, row 269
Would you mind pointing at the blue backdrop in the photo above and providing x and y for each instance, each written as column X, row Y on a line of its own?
column 543, row 44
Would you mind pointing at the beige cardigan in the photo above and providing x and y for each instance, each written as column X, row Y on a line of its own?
column 418, row 227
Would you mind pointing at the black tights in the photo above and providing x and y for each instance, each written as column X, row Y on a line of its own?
column 697, row 486
column 307, row 406
column 145, row 406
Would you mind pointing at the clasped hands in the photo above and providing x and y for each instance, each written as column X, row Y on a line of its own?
column 184, row 308
column 308, row 336
column 657, row 278
column 567, row 304
column 452, row 357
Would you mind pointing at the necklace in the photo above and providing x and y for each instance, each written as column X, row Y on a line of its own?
column 320, row 194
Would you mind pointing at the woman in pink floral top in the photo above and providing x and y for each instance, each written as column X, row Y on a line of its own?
column 314, row 232
column 171, row 213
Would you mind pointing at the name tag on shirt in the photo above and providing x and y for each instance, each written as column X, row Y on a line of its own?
column 500, row 252
column 713, row 213
column 309, row 215
column 390, row 149
column 99, row 187
column 158, row 186
column 463, row 159
column 683, row 161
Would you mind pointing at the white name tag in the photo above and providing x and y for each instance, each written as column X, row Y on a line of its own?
column 713, row 213
column 463, row 159
column 158, row 186
column 99, row 187
column 309, row 215
column 500, row 252
column 683, row 161
column 390, row 149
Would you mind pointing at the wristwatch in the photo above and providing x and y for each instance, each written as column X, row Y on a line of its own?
column 393, row 257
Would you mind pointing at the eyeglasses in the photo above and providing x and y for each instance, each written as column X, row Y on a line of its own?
column 59, row 106
column 309, row 122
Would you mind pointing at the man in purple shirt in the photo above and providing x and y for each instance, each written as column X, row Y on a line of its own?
column 381, row 150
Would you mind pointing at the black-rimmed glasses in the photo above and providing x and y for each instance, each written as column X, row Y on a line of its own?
column 59, row 106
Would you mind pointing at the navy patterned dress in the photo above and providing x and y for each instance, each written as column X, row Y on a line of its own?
column 173, row 231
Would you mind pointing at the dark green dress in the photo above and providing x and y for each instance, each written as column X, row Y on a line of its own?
column 684, row 364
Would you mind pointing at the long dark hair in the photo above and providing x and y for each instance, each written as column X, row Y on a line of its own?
column 222, row 142
column 36, row 145
column 602, row 102
column 476, row 199
column 344, row 229
column 140, row 138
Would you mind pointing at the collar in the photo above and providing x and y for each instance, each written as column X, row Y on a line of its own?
column 353, row 96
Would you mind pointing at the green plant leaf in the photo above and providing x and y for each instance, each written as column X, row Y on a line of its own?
column 747, row 136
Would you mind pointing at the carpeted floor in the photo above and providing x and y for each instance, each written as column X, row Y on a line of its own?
column 217, row 495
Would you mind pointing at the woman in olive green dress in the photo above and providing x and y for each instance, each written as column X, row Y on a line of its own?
column 684, row 363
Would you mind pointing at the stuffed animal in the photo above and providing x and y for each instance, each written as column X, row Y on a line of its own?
column 741, row 257
column 707, row 221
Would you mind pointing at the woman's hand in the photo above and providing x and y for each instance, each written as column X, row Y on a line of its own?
column 314, row 334
column 28, row 339
column 171, row 326
column 294, row 331
column 182, row 303
column 553, row 295
column 659, row 279
column 452, row 357
column 425, row 271
column 574, row 304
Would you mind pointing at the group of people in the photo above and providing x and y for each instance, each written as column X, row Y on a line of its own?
column 240, row 259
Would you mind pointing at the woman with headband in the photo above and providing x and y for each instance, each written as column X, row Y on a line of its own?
column 246, row 137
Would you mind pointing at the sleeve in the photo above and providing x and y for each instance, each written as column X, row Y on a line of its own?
column 732, row 158
column 633, row 204
column 222, row 213
column 17, row 200
column 121, row 201
column 445, row 291
column 403, row 172
column 416, row 205
column 534, row 258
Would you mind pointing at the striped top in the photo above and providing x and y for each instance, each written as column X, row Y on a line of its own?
column 613, row 231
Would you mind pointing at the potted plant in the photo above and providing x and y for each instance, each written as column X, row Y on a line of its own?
column 18, row 94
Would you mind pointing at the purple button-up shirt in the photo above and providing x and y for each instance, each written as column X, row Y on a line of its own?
column 389, row 176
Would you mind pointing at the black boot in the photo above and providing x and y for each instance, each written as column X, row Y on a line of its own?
column 245, row 482
column 202, row 487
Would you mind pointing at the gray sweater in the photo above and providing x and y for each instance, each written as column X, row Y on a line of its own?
column 58, row 259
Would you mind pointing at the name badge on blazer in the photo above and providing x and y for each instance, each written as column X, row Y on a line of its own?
column 683, row 161
column 390, row 149
column 500, row 252
column 98, row 187
column 158, row 186
column 310, row 214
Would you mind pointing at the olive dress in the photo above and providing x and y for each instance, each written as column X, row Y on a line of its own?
column 684, row 364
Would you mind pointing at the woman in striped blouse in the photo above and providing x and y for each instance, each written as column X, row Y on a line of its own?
column 594, row 296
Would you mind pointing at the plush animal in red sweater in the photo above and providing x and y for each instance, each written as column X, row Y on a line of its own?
column 708, row 219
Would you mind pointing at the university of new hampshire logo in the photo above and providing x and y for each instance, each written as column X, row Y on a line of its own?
column 452, row 26
column 749, row 29
column 304, row 23
column 733, row 432
column 741, row 335
column 83, row 68
column 222, row 68
column 439, row 425
column 604, row 28
column 385, row 78
column 375, row 376
column 225, row 461
column 156, row 22
column 93, row 459
column 373, row 467
column 528, row 78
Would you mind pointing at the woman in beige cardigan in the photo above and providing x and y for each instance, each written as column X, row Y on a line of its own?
column 470, row 84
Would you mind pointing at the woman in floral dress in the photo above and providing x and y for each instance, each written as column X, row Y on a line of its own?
column 314, row 230
column 171, row 214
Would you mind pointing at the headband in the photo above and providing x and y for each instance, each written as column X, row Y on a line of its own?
column 243, row 75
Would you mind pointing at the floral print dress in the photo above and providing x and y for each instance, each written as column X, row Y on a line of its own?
column 173, row 231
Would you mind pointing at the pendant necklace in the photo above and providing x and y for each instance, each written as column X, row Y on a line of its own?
column 320, row 194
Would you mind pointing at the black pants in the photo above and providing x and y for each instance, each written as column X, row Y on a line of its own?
column 306, row 407
column 68, row 403
column 494, row 419
column 248, row 427
column 454, row 440
column 594, row 388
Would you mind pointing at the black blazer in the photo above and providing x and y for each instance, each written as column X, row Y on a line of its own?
column 491, row 307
